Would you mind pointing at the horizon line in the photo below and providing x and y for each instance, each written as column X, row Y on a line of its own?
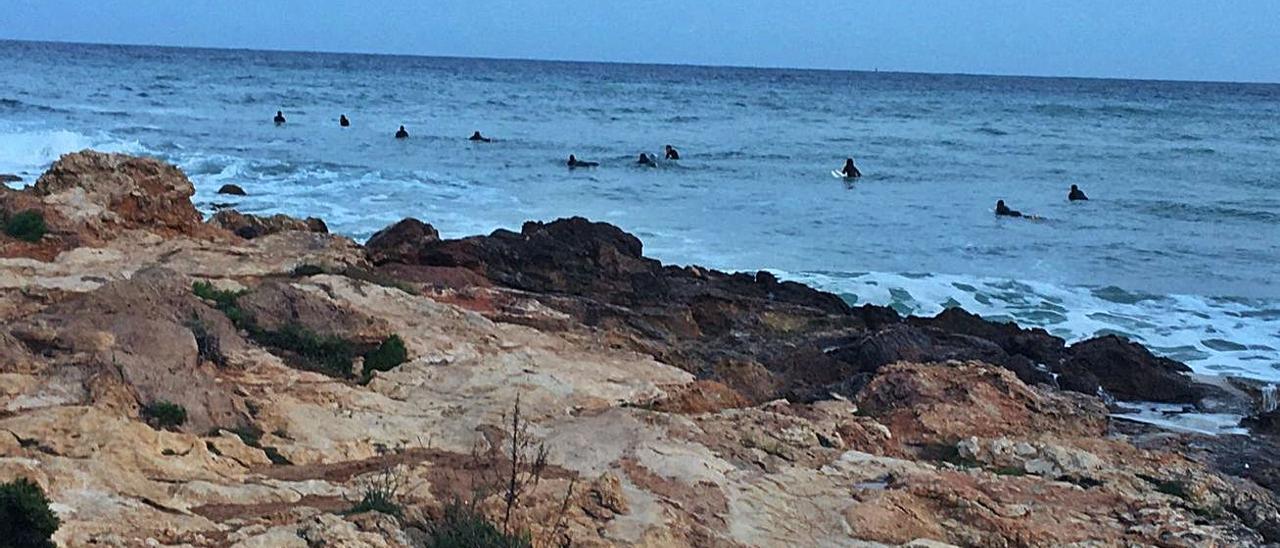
column 647, row 63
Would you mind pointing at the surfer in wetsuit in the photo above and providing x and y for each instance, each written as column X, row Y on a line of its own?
column 279, row 119
column 849, row 170
column 646, row 160
column 1004, row 211
column 1076, row 194
column 479, row 138
column 672, row 153
column 343, row 121
column 402, row 134
column 575, row 162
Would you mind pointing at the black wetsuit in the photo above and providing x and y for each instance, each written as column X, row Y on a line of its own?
column 574, row 162
column 646, row 160
column 850, row 170
column 343, row 121
column 1004, row 211
column 279, row 119
column 480, row 138
column 401, row 134
column 1076, row 195
column 672, row 153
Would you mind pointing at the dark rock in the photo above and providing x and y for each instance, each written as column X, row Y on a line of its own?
column 234, row 190
column 9, row 178
column 1267, row 424
column 253, row 226
column 401, row 242
column 1036, row 344
column 796, row 341
column 1127, row 371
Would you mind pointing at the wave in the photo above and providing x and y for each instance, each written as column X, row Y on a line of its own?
column 14, row 105
column 31, row 151
column 1213, row 335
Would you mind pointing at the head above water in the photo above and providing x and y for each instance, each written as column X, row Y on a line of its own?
column 279, row 113
column 1074, row 188
column 476, row 134
column 999, row 204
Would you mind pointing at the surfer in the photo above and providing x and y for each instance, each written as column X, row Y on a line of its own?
column 575, row 162
column 1004, row 211
column 402, row 134
column 849, row 170
column 479, row 138
column 646, row 160
column 343, row 121
column 1076, row 194
column 279, row 119
column 672, row 153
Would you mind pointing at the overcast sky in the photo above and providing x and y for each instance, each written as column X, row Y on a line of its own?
column 1234, row 40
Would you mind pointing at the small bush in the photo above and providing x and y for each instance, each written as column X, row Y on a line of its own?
column 208, row 346
column 224, row 301
column 248, row 435
column 462, row 526
column 306, row 270
column 164, row 414
column 324, row 354
column 27, row 226
column 386, row 356
column 1010, row 471
column 25, row 518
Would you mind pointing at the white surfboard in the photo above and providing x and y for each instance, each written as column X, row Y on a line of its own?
column 840, row 175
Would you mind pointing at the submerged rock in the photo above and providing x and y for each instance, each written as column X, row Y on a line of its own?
column 231, row 189
column 9, row 178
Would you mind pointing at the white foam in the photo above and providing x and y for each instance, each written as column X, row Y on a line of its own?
column 1214, row 336
column 30, row 151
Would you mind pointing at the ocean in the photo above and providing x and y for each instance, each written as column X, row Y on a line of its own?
column 1178, row 248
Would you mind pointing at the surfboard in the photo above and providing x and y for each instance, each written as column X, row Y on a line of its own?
column 839, row 174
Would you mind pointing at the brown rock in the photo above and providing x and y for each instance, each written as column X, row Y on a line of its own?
column 253, row 226
column 401, row 242
column 100, row 194
column 931, row 404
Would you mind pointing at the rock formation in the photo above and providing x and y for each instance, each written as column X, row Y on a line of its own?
column 677, row 406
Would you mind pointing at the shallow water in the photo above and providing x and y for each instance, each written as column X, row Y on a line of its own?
column 1178, row 248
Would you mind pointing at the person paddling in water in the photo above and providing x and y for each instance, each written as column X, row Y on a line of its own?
column 1004, row 211
column 343, row 121
column 279, row 119
column 849, row 170
column 646, row 160
column 1076, row 194
column 672, row 153
column 479, row 138
column 402, row 134
column 575, row 162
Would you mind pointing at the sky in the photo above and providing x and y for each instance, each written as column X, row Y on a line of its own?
column 1227, row 40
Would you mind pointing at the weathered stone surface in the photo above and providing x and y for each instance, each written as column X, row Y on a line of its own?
column 253, row 226
column 922, row 454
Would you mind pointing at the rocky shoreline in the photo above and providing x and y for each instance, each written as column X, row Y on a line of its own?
column 677, row 405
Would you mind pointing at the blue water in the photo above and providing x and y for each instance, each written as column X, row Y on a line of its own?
column 1178, row 248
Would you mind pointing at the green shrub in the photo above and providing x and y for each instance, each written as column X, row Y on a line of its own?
column 208, row 346
column 1010, row 471
column 462, row 526
column 27, row 226
column 324, row 354
column 376, row 501
column 386, row 356
column 224, row 301
column 165, row 414
column 306, row 270
column 25, row 518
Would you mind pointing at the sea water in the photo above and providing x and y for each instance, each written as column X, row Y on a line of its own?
column 1178, row 247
